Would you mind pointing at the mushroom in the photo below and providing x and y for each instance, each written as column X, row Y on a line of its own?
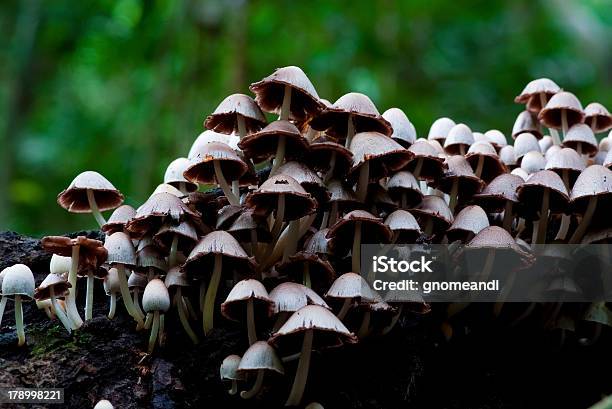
column 307, row 321
column 246, row 299
column 212, row 136
column 156, row 302
column 545, row 144
column 238, row 114
column 166, row 188
column 500, row 195
column 329, row 157
column 485, row 162
column 103, row 404
column 525, row 142
column 136, row 283
column 112, row 287
column 173, row 238
column 506, row 155
column 404, row 132
column 427, row 163
column 434, row 214
column 177, row 280
column 459, row 180
column 216, row 250
column 562, row 112
column 533, row 162
column 404, row 227
column 582, row 139
column 597, row 117
column 54, row 286
column 440, row 128
column 229, row 371
column 459, row 139
column 119, row 218
column 90, row 192
column 403, row 188
column 150, row 260
column 496, row 138
column 520, row 172
column 308, row 179
column 18, row 283
column 174, row 176
column 535, row 96
column 467, row 224
column 378, row 200
column 350, row 288
column 249, row 228
column 526, row 122
column 290, row 297
column 259, row 358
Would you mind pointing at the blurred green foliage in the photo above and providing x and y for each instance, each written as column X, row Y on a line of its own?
column 123, row 86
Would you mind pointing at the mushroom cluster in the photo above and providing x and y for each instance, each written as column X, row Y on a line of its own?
column 282, row 243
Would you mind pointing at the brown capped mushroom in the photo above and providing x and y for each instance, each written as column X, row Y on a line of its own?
column 247, row 299
column 434, row 214
column 237, row 113
column 483, row 158
column 582, row 139
column 597, row 117
column 562, row 112
column 404, row 227
column 290, row 297
column 54, row 286
column 467, row 224
column 160, row 208
column 156, row 302
column 427, row 163
column 328, row 156
column 526, row 122
column 118, row 220
column 403, row 188
column 174, row 176
column 536, row 94
column 590, row 197
column 500, row 195
column 459, row 180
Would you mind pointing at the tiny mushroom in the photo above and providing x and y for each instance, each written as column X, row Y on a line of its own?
column 52, row 287
column 119, row 219
column 526, row 122
column 104, row 404
column 500, row 195
column 238, row 114
column 440, row 128
column 404, row 132
column 525, row 142
column 459, row 181
column 156, row 302
column 562, row 112
column 18, row 284
column 434, row 214
column 404, row 189
column 404, row 227
column 350, row 288
column 597, row 117
column 177, row 280
column 536, row 94
column 290, row 297
column 483, row 158
column 174, row 176
column 427, row 162
column 259, row 358
column 467, row 224
column 112, row 287
column 459, row 139
column 229, row 371
column 582, row 139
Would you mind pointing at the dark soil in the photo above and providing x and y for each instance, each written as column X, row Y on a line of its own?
column 487, row 364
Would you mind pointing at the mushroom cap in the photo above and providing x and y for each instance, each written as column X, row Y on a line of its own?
column 318, row 243
column 261, row 146
column 566, row 159
column 227, row 215
column 166, row 188
column 608, row 160
column 330, row 331
column 531, row 192
column 229, row 368
column 321, row 271
column 352, row 286
column 599, row 158
column 479, row 137
column 151, row 256
column 526, row 122
column 459, row 135
column 159, row 208
column 174, row 174
column 212, row 136
column 246, row 222
column 344, row 196
column 545, row 143
column 104, row 404
column 525, row 142
column 432, row 165
column 18, row 280
column 59, row 283
column 176, row 278
column 533, row 162
column 60, row 264
column 383, row 154
column 552, row 151
column 235, row 305
column 112, row 285
column 496, row 138
column 365, row 116
column 520, row 172
column 404, row 132
column 261, row 355
column 200, row 260
column 186, row 232
column 74, row 198
column 583, row 135
column 120, row 217
column 436, row 208
column 531, row 93
column 91, row 252
column 440, row 128
column 506, row 154
column 404, row 182
column 471, row 219
column 598, row 113
column 156, row 297
column 314, row 405
column 225, row 117
column 322, row 149
column 605, row 144
column 120, row 249
column 306, row 177
column 298, row 202
column 404, row 223
column 550, row 115
column 595, row 180
column 290, row 297
column 501, row 189
column 270, row 92
column 343, row 231
column 497, row 238
column 137, row 280
column 459, row 170
column 201, row 169
column 492, row 165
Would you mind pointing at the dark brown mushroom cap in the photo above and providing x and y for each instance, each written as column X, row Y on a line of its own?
column 492, row 166
column 373, row 230
column 470, row 220
column 404, row 132
column 306, row 177
column 120, row 250
column 459, row 135
column 494, row 196
column 506, row 154
column 137, row 280
column 92, row 253
column 298, row 203
column 320, row 156
column 598, row 113
column 458, row 169
column 290, row 297
column 550, row 115
column 383, row 154
column 404, row 224
column 261, row 146
column 440, row 128
column 366, row 118
column 531, row 93
column 581, row 134
column 322, row 273
column 74, row 198
column 566, row 159
column 404, row 182
column 525, row 142
column 159, row 208
column 498, row 239
column 186, row 232
column 151, row 256
column 226, row 216
column 176, row 278
column 526, row 122
column 225, row 117
column 329, row 330
column 59, row 283
column 201, row 259
column 120, row 217
column 434, row 207
column 235, row 305
column 342, row 195
column 318, row 243
column 246, row 222
column 174, row 175
column 270, row 92
column 595, row 180
column 201, row 169
column 531, row 192
column 432, row 166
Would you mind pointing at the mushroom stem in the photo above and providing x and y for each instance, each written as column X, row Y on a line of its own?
column 418, row 168
column 333, row 213
column 236, row 188
column 429, row 226
column 553, row 132
column 227, row 190
column 234, row 388
column 286, row 107
column 125, row 295
column 278, row 219
column 19, row 321
column 162, row 334
column 584, row 223
column 479, row 166
column 112, row 306
column 356, row 252
column 306, row 275
column 301, row 375
column 564, row 122
column 189, row 308
column 94, row 208
column 281, row 318
column 211, row 294
column 251, row 321
column 362, row 184
column 279, row 156
column 89, row 296
column 294, row 236
column 507, row 223
column 350, row 131
column 346, row 306
column 310, row 134
column 135, row 300
column 364, row 328
column 543, row 224
column 256, row 386
column 59, row 312
column 324, row 220
column 71, row 307
column 2, row 307
column 148, row 321
column 566, row 219
column 332, row 165
column 454, row 194
column 241, row 126
column 173, row 251
column 154, row 332
column 254, row 245
column 462, row 149
column 202, row 296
